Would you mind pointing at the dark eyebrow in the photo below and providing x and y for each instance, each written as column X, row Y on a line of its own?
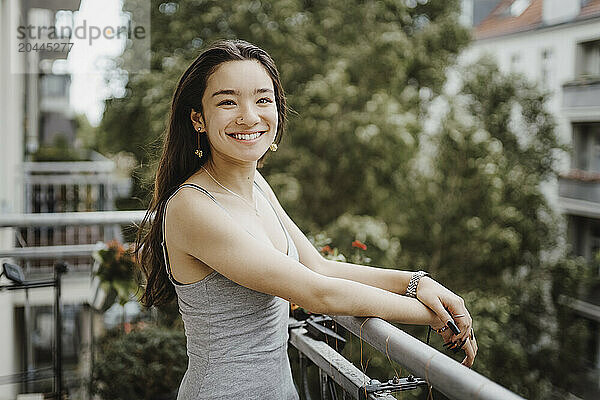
column 235, row 92
column 263, row 90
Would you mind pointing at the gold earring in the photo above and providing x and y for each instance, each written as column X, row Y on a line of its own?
column 198, row 152
column 273, row 147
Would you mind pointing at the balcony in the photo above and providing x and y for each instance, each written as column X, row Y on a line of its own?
column 336, row 373
column 579, row 193
column 581, row 99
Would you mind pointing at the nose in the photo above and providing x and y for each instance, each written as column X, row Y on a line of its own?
column 248, row 116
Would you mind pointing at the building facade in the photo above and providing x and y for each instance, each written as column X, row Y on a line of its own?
column 35, row 111
column 556, row 43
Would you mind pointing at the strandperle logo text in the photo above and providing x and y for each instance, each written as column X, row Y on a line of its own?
column 83, row 31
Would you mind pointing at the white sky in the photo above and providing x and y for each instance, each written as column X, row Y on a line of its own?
column 88, row 89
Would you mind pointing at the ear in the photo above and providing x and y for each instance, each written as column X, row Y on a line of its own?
column 197, row 120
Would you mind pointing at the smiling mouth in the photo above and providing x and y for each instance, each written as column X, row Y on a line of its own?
column 246, row 136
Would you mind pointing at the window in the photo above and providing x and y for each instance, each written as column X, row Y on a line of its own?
column 586, row 147
column 515, row 9
column 583, row 236
column 589, row 58
column 518, row 6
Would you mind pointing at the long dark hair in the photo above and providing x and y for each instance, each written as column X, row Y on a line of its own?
column 178, row 161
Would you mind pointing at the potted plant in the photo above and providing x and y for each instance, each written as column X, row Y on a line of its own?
column 116, row 270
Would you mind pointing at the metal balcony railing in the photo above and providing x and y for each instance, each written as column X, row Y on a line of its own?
column 584, row 92
column 437, row 369
column 69, row 186
column 39, row 259
column 588, row 190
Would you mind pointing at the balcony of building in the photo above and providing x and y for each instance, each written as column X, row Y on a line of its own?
column 581, row 99
column 579, row 189
column 338, row 377
column 579, row 193
column 63, row 187
column 581, row 96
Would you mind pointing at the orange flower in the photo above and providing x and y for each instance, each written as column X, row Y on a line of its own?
column 359, row 244
column 326, row 249
column 117, row 247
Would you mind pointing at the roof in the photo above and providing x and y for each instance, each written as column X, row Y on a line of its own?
column 500, row 22
column 592, row 8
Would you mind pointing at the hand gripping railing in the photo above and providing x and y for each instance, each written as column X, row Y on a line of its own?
column 446, row 375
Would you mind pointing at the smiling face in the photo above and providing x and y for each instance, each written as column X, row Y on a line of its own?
column 240, row 112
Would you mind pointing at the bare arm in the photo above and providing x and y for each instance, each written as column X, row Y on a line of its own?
column 387, row 279
column 202, row 229
column 393, row 282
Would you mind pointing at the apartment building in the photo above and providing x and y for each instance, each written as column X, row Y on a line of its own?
column 34, row 110
column 557, row 44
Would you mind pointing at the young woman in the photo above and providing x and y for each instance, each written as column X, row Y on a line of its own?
column 221, row 242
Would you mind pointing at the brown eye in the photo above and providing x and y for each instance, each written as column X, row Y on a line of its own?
column 267, row 100
column 226, row 103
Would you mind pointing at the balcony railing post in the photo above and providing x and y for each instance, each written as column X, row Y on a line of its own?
column 303, row 365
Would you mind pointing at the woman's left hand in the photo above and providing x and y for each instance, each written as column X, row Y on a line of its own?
column 449, row 307
column 469, row 346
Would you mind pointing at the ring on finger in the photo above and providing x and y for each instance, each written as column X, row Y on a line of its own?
column 458, row 315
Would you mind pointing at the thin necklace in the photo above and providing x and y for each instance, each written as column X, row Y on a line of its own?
column 255, row 207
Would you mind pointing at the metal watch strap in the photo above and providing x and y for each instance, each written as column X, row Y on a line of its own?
column 411, row 290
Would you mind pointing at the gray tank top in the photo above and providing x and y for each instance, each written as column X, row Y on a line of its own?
column 236, row 337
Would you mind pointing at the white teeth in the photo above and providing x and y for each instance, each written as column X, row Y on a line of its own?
column 247, row 137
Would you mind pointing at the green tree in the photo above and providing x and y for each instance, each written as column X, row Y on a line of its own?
column 479, row 221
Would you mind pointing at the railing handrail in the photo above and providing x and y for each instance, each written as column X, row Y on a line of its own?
column 72, row 179
column 70, row 167
column 446, row 375
column 48, row 252
column 32, row 220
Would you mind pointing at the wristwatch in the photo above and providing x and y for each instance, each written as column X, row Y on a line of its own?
column 411, row 290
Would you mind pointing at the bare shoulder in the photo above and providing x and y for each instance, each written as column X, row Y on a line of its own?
column 179, row 205
column 186, row 210
column 185, row 202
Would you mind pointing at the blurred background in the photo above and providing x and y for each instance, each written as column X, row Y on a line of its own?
column 459, row 137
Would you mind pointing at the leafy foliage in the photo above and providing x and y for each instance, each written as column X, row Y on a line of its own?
column 117, row 269
column 144, row 364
